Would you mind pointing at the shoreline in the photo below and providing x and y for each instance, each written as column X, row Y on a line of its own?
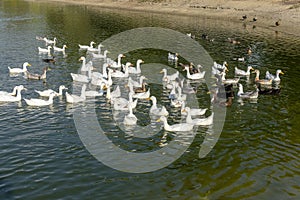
column 267, row 12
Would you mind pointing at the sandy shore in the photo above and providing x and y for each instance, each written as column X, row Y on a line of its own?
column 267, row 12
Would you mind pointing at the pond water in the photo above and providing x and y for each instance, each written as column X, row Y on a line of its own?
column 42, row 155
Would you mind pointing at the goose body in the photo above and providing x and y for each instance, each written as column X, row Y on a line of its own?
column 86, row 66
column 275, row 78
column 167, row 77
column 120, row 74
column 261, row 81
column 130, row 119
column 122, row 103
column 217, row 69
column 172, row 57
column 71, row 98
column 93, row 93
column 192, row 111
column 98, row 79
column 136, row 83
column 247, row 95
column 229, row 81
column 82, row 77
column 86, row 46
column 32, row 76
column 117, row 64
column 43, row 50
column 175, row 127
column 111, row 95
column 46, row 93
column 98, row 49
column 40, row 102
column 48, row 41
column 240, row 72
column 173, row 94
column 10, row 98
column 180, row 96
column 141, row 89
column 142, row 95
column 198, row 121
column 19, row 70
column 154, row 110
column 137, row 69
column 63, row 49
column 104, row 55
column 195, row 76
column 176, row 103
column 13, row 93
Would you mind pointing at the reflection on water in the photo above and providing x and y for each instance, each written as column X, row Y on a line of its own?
column 257, row 155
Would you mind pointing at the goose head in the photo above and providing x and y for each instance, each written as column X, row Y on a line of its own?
column 163, row 71
column 139, row 61
column 279, row 71
column 92, row 43
column 25, row 65
column 82, row 58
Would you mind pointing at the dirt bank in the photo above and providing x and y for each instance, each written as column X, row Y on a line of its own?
column 266, row 12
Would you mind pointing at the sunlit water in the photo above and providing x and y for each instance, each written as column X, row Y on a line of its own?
column 42, row 156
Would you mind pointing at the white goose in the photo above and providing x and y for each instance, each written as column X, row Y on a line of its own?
column 130, row 119
column 187, row 88
column 142, row 95
column 43, row 50
column 85, row 66
column 63, row 49
column 117, row 64
column 247, row 95
column 137, row 69
column 81, row 77
column 86, row 46
column 175, row 127
column 176, row 103
column 275, row 78
column 13, row 93
column 195, row 76
column 46, row 93
column 173, row 95
column 193, row 111
column 48, row 41
column 217, row 69
column 198, row 121
column 104, row 55
column 137, row 84
column 120, row 74
column 93, row 93
column 40, row 102
column 98, row 49
column 172, row 57
column 71, row 98
column 103, row 75
column 180, row 96
column 19, row 70
column 240, row 72
column 122, row 103
column 98, row 80
column 229, row 81
column 154, row 110
column 111, row 95
column 10, row 98
column 167, row 77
